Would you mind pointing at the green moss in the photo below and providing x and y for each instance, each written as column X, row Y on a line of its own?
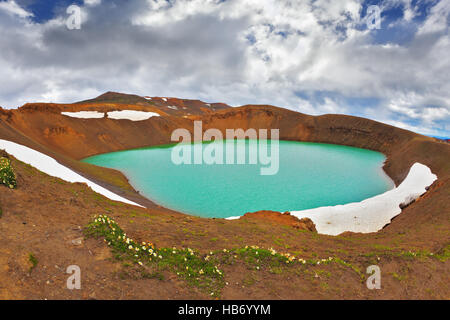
column 248, row 280
column 382, row 247
column 33, row 260
column 280, row 242
column 276, row 270
column 324, row 286
column 152, row 275
column 398, row 277
column 349, row 265
column 443, row 254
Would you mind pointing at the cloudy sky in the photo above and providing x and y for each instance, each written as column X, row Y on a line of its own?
column 313, row 56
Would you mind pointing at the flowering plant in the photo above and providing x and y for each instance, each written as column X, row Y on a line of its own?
column 7, row 176
column 186, row 262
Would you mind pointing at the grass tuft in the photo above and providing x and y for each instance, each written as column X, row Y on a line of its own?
column 33, row 260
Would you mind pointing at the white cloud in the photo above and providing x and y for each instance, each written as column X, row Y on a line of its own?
column 437, row 19
column 11, row 7
column 422, row 129
column 92, row 2
column 431, row 114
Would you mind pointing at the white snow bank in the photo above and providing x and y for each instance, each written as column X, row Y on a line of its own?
column 51, row 167
column 173, row 107
column 372, row 214
column 165, row 99
column 132, row 115
column 233, row 218
column 84, row 114
column 147, row 98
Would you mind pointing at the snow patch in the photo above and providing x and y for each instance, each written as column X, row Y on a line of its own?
column 131, row 115
column 232, row 218
column 372, row 214
column 173, row 107
column 165, row 99
column 84, row 114
column 51, row 167
column 147, row 98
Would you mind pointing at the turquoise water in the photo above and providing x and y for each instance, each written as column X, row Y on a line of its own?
column 310, row 175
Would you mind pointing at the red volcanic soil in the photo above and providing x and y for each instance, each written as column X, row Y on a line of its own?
column 44, row 214
column 279, row 218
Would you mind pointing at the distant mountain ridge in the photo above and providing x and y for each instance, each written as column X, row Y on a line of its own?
column 172, row 106
column 116, row 97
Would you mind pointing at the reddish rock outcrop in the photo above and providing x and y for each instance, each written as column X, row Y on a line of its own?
column 283, row 219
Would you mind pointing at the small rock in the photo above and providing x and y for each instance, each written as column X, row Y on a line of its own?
column 77, row 241
column 305, row 224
